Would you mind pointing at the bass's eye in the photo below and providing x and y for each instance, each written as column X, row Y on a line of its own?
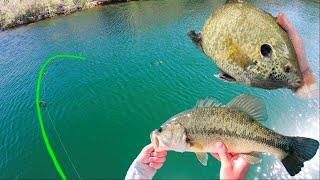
column 286, row 69
column 160, row 129
column 266, row 50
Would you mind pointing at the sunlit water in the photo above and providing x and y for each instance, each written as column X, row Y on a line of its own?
column 105, row 108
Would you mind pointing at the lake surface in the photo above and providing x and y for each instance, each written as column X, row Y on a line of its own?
column 105, row 108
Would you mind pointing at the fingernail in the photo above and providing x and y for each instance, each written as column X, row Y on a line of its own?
column 151, row 165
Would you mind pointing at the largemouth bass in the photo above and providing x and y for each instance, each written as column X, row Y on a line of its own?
column 249, row 47
column 237, row 126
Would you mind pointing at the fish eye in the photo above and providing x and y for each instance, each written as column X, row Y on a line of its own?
column 160, row 129
column 188, row 140
column 286, row 69
column 266, row 50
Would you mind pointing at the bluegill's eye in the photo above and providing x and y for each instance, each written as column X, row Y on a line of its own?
column 266, row 50
column 188, row 140
column 160, row 129
column 286, row 69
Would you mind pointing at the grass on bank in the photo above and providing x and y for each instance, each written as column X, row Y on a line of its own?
column 16, row 12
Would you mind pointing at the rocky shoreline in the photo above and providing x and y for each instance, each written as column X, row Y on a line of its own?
column 34, row 14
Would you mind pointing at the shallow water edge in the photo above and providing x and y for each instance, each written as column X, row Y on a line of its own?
column 37, row 13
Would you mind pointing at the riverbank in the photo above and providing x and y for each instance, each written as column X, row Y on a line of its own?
column 15, row 13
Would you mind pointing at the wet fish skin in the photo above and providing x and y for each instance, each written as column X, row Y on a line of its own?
column 237, row 126
column 248, row 45
column 240, row 132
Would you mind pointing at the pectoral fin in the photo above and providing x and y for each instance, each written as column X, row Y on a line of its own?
column 252, row 158
column 196, row 38
column 202, row 156
column 225, row 77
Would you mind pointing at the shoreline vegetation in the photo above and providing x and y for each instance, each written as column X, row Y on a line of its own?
column 14, row 13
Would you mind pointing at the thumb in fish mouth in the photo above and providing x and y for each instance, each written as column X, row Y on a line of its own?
column 154, row 141
column 308, row 87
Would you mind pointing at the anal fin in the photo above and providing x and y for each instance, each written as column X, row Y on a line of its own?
column 252, row 158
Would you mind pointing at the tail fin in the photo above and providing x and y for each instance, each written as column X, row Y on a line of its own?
column 196, row 38
column 300, row 150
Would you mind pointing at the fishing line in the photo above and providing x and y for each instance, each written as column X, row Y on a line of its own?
column 55, row 129
column 43, row 132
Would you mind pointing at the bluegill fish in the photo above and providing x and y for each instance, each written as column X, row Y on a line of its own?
column 249, row 47
column 237, row 126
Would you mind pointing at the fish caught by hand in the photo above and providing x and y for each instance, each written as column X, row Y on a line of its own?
column 237, row 126
column 249, row 47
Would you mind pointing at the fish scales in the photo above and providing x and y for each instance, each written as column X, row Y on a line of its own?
column 237, row 32
column 237, row 126
column 224, row 123
column 249, row 47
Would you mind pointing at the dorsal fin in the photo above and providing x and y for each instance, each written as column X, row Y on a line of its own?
column 208, row 102
column 234, row 1
column 250, row 105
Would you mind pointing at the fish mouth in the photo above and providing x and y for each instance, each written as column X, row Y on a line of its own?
column 154, row 140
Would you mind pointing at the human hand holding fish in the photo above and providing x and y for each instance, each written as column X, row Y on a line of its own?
column 146, row 164
column 237, row 125
column 153, row 159
column 308, row 86
column 251, row 47
column 232, row 167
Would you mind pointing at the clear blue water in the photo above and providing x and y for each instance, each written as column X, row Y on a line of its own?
column 104, row 109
